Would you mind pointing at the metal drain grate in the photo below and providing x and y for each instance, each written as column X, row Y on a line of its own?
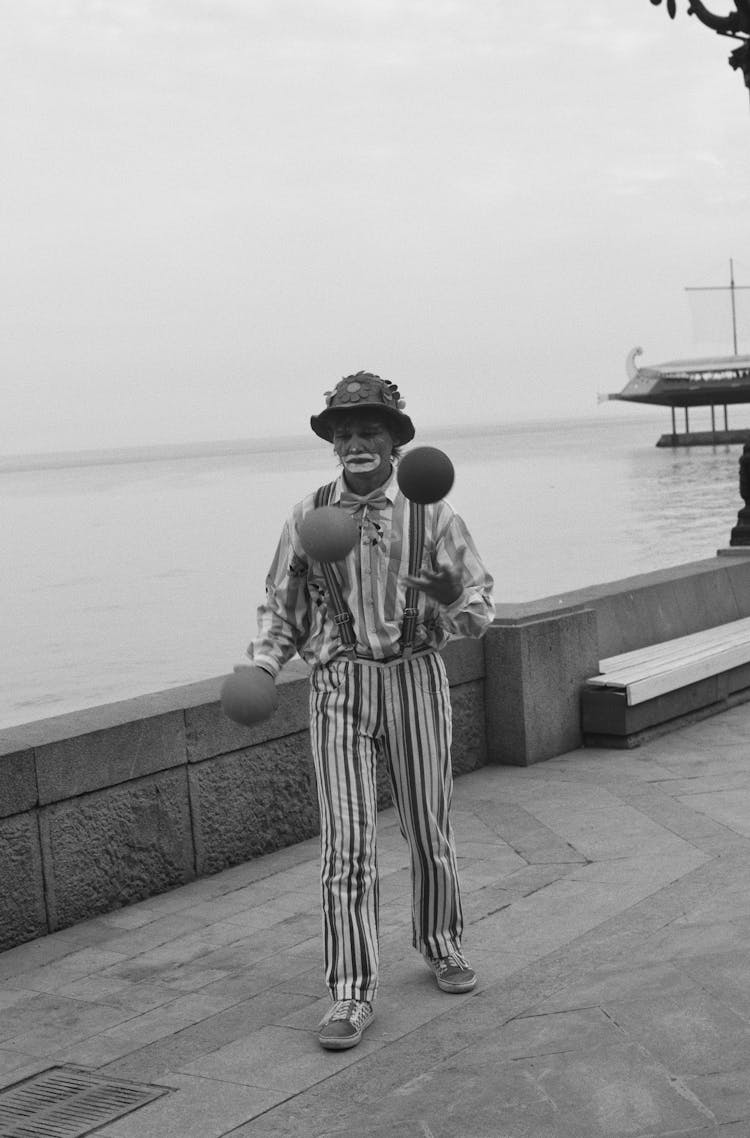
column 67, row 1102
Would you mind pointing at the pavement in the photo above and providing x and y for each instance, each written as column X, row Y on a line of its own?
column 607, row 907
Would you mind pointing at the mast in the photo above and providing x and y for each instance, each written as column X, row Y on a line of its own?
column 734, row 311
column 732, row 289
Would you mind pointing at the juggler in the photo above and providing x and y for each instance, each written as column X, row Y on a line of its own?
column 371, row 627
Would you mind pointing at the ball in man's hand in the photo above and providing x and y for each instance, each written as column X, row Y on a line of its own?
column 328, row 533
column 425, row 474
column 249, row 696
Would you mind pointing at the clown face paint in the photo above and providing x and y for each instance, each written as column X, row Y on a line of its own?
column 360, row 463
column 364, row 444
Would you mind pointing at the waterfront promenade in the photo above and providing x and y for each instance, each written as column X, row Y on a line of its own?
column 607, row 905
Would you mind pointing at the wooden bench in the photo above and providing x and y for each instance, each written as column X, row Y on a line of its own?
column 666, row 684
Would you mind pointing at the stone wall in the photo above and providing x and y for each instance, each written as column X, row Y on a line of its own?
column 105, row 807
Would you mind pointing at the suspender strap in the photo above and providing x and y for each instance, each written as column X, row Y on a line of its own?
column 342, row 617
column 416, row 548
column 324, row 494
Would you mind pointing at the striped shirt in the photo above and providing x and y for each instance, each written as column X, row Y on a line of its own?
column 297, row 618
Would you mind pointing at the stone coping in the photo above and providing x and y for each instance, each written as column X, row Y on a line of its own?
column 630, row 613
column 464, row 662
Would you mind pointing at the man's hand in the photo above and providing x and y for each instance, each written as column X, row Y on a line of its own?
column 444, row 586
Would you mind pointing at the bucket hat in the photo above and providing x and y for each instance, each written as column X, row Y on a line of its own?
column 357, row 393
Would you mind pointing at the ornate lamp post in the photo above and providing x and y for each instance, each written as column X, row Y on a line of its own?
column 736, row 25
column 741, row 533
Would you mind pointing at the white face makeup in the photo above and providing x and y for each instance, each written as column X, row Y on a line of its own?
column 364, row 444
column 360, row 463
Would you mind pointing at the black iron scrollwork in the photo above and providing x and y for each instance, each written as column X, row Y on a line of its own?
column 735, row 24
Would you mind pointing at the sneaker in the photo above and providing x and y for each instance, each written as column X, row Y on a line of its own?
column 344, row 1023
column 453, row 973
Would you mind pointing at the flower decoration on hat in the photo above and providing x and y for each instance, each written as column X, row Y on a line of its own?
column 358, row 392
column 364, row 387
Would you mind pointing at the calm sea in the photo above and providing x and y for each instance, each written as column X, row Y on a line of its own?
column 123, row 577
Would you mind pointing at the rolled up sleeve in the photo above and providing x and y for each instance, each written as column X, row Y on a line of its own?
column 471, row 614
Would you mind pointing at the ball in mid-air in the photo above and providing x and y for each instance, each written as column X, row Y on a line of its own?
column 249, row 696
column 328, row 533
column 425, row 474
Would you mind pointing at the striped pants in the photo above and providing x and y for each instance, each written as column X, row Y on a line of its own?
column 400, row 710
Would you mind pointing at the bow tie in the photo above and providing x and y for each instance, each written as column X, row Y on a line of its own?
column 376, row 500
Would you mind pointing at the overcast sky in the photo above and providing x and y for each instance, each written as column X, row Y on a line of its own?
column 213, row 209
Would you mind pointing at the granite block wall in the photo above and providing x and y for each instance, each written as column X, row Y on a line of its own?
column 105, row 807
column 253, row 801
column 23, row 914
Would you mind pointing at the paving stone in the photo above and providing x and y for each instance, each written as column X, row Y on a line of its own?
column 475, row 875
column 610, row 985
column 93, row 1052
column 730, row 807
column 11, row 996
column 576, row 1094
column 493, row 1104
column 18, row 1074
column 725, row 1093
column 75, row 1022
column 249, row 951
column 50, row 1011
column 612, row 833
column 169, row 1054
column 531, row 878
column 538, row 924
column 118, row 993
column 650, row 872
column 262, row 917
column 162, row 965
column 709, row 783
column 52, row 977
column 690, row 1035
column 552, row 1032
column 11, row 1060
column 724, row 906
column 32, row 955
column 198, row 1109
column 278, row 1058
column 724, row 974
column 132, row 917
column 163, row 930
column 171, row 1018
column 614, row 1092
column 681, row 939
column 484, row 902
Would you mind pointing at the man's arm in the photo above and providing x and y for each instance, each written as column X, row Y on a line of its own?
column 284, row 618
column 459, row 581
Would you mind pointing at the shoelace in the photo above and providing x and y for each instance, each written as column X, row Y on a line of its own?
column 454, row 959
column 348, row 1010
